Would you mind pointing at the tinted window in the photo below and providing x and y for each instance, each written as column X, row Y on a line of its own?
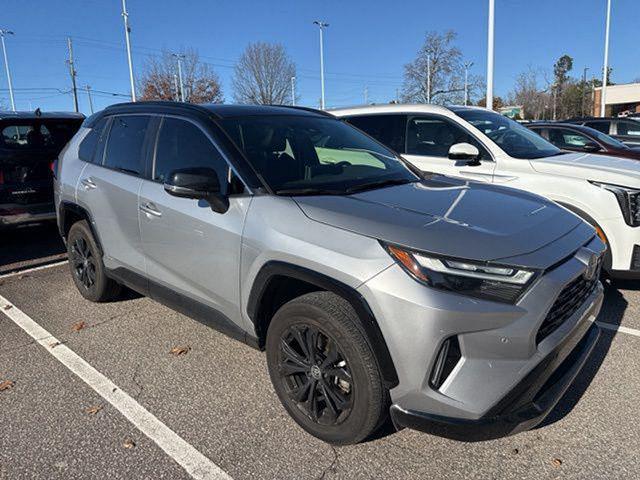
column 631, row 128
column 600, row 125
column 125, row 144
column 388, row 129
column 88, row 145
column 38, row 135
column 311, row 155
column 182, row 144
column 569, row 139
column 433, row 137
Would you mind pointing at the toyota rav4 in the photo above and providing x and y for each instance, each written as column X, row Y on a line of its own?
column 463, row 309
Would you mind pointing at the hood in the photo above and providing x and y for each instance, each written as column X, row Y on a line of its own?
column 589, row 166
column 457, row 218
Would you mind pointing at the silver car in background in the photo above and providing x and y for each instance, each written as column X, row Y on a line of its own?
column 463, row 309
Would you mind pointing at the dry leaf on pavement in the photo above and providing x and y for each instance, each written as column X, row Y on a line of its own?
column 129, row 443
column 179, row 351
column 93, row 410
column 557, row 462
column 6, row 385
column 8, row 307
column 76, row 327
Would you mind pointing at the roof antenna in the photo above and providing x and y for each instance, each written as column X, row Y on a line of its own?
column 38, row 112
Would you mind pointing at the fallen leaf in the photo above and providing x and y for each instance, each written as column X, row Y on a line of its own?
column 54, row 344
column 76, row 327
column 93, row 410
column 515, row 451
column 179, row 351
column 7, row 307
column 129, row 443
column 557, row 462
column 6, row 385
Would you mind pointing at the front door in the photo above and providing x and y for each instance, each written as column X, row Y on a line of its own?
column 189, row 248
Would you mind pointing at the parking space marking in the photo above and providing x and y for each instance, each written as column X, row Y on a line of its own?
column 619, row 328
column 34, row 269
column 188, row 457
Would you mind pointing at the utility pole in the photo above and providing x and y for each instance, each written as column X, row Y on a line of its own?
column 127, row 32
column 584, row 88
column 322, row 25
column 397, row 95
column 179, row 57
column 3, row 33
column 366, row 95
column 88, row 88
column 467, row 66
column 605, row 70
column 489, row 96
column 293, row 91
column 72, row 72
column 175, row 86
column 428, row 78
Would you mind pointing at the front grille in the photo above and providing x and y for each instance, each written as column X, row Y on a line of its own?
column 568, row 302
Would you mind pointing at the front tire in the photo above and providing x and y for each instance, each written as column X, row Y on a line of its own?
column 87, row 269
column 323, row 369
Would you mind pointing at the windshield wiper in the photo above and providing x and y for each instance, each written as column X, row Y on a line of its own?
column 308, row 191
column 379, row 184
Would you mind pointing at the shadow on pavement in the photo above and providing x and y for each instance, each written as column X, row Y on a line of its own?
column 27, row 246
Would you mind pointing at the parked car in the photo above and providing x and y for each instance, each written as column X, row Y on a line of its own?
column 624, row 129
column 478, row 144
column 29, row 144
column 579, row 138
column 464, row 309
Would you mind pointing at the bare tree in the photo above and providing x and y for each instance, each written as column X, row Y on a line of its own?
column 437, row 73
column 263, row 75
column 528, row 92
column 160, row 81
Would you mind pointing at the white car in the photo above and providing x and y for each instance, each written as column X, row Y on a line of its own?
column 479, row 144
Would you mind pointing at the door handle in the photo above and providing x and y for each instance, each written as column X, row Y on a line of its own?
column 88, row 183
column 150, row 209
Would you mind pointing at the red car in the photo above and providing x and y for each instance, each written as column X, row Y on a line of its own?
column 579, row 138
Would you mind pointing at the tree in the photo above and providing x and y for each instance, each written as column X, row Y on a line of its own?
column 263, row 75
column 498, row 102
column 160, row 80
column 436, row 75
column 529, row 93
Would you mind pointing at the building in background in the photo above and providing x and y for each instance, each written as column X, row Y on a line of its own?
column 620, row 100
column 515, row 112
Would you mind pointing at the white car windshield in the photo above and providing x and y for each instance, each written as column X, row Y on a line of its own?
column 517, row 141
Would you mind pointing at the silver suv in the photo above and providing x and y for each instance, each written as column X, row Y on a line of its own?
column 463, row 309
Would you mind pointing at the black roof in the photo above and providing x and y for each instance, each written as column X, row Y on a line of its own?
column 8, row 115
column 219, row 110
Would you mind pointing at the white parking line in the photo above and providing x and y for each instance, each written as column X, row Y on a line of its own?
column 194, row 462
column 619, row 328
column 34, row 269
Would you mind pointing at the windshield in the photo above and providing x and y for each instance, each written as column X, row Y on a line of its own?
column 307, row 155
column 517, row 141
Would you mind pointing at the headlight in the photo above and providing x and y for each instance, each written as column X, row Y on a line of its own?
column 499, row 283
column 628, row 199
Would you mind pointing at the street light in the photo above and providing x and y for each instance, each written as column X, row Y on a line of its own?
column 179, row 57
column 322, row 25
column 127, row 32
column 467, row 66
column 293, row 91
column 489, row 96
column 603, row 92
column 6, row 66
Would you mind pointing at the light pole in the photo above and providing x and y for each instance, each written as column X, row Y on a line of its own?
column 605, row 70
column 428, row 78
column 127, row 31
column 6, row 66
column 489, row 96
column 322, row 25
column 584, row 88
column 293, row 91
column 88, row 88
column 467, row 66
column 179, row 57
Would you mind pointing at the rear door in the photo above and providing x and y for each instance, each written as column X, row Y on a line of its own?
column 109, row 189
column 190, row 249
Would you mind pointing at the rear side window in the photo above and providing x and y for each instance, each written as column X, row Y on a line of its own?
column 87, row 149
column 126, row 143
column 600, row 125
column 181, row 144
column 387, row 129
column 631, row 128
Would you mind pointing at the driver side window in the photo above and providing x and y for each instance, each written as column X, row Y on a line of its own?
column 434, row 136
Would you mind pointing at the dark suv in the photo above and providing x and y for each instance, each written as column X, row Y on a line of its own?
column 29, row 145
column 623, row 129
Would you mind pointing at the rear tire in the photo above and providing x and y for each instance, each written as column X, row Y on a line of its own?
column 323, row 369
column 87, row 269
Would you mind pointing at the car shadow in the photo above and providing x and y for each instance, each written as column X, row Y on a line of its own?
column 28, row 246
column 612, row 312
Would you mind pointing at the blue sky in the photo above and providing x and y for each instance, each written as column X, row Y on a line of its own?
column 367, row 42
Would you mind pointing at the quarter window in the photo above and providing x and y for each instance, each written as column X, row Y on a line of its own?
column 87, row 147
column 182, row 144
column 126, row 143
column 433, row 137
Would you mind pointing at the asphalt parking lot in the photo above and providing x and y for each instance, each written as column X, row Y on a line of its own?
column 214, row 394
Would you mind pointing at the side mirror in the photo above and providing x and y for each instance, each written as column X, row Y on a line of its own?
column 465, row 151
column 591, row 147
column 199, row 183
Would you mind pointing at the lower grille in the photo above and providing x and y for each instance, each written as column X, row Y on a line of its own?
column 568, row 302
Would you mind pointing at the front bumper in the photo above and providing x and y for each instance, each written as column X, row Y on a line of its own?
column 521, row 409
column 14, row 214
